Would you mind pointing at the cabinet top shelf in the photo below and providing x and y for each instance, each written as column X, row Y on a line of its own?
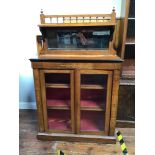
column 107, row 23
column 78, row 58
column 78, row 20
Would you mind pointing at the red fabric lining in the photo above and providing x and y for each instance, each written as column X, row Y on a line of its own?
column 92, row 103
column 59, row 120
column 59, row 103
column 92, row 121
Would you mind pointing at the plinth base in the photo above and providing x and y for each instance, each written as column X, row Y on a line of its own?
column 76, row 138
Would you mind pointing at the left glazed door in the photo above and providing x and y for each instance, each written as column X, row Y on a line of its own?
column 57, row 91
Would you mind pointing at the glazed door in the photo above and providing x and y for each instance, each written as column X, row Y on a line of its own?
column 92, row 101
column 57, row 88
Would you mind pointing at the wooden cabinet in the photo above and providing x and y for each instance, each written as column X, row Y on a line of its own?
column 77, row 99
column 77, row 78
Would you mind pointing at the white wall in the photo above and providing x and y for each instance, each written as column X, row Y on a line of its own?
column 29, row 12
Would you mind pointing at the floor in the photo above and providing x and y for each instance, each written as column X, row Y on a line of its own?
column 29, row 145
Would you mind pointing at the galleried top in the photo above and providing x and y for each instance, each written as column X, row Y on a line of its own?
column 77, row 36
column 77, row 20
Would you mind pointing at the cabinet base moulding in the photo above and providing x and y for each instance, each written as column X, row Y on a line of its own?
column 76, row 138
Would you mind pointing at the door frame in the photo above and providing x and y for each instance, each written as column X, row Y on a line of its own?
column 78, row 73
column 44, row 103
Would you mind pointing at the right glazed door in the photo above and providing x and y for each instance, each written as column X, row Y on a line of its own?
column 92, row 101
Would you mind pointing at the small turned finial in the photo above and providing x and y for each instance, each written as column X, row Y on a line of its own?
column 113, row 10
column 41, row 11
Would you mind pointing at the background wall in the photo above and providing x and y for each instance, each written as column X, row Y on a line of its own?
column 28, row 30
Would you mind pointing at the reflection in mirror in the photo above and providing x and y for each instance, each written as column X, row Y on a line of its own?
column 75, row 39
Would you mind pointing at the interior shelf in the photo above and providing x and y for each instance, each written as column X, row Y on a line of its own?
column 83, row 86
column 58, row 104
column 92, row 105
column 93, row 100
column 92, row 121
column 131, row 18
column 92, row 86
column 57, row 85
column 128, row 72
column 59, row 120
column 130, row 41
column 57, row 98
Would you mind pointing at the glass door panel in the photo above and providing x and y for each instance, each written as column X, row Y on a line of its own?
column 93, row 99
column 93, row 93
column 58, row 95
column 58, row 98
column 59, row 119
column 92, row 121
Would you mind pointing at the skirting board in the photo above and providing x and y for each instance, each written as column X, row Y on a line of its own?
column 27, row 105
